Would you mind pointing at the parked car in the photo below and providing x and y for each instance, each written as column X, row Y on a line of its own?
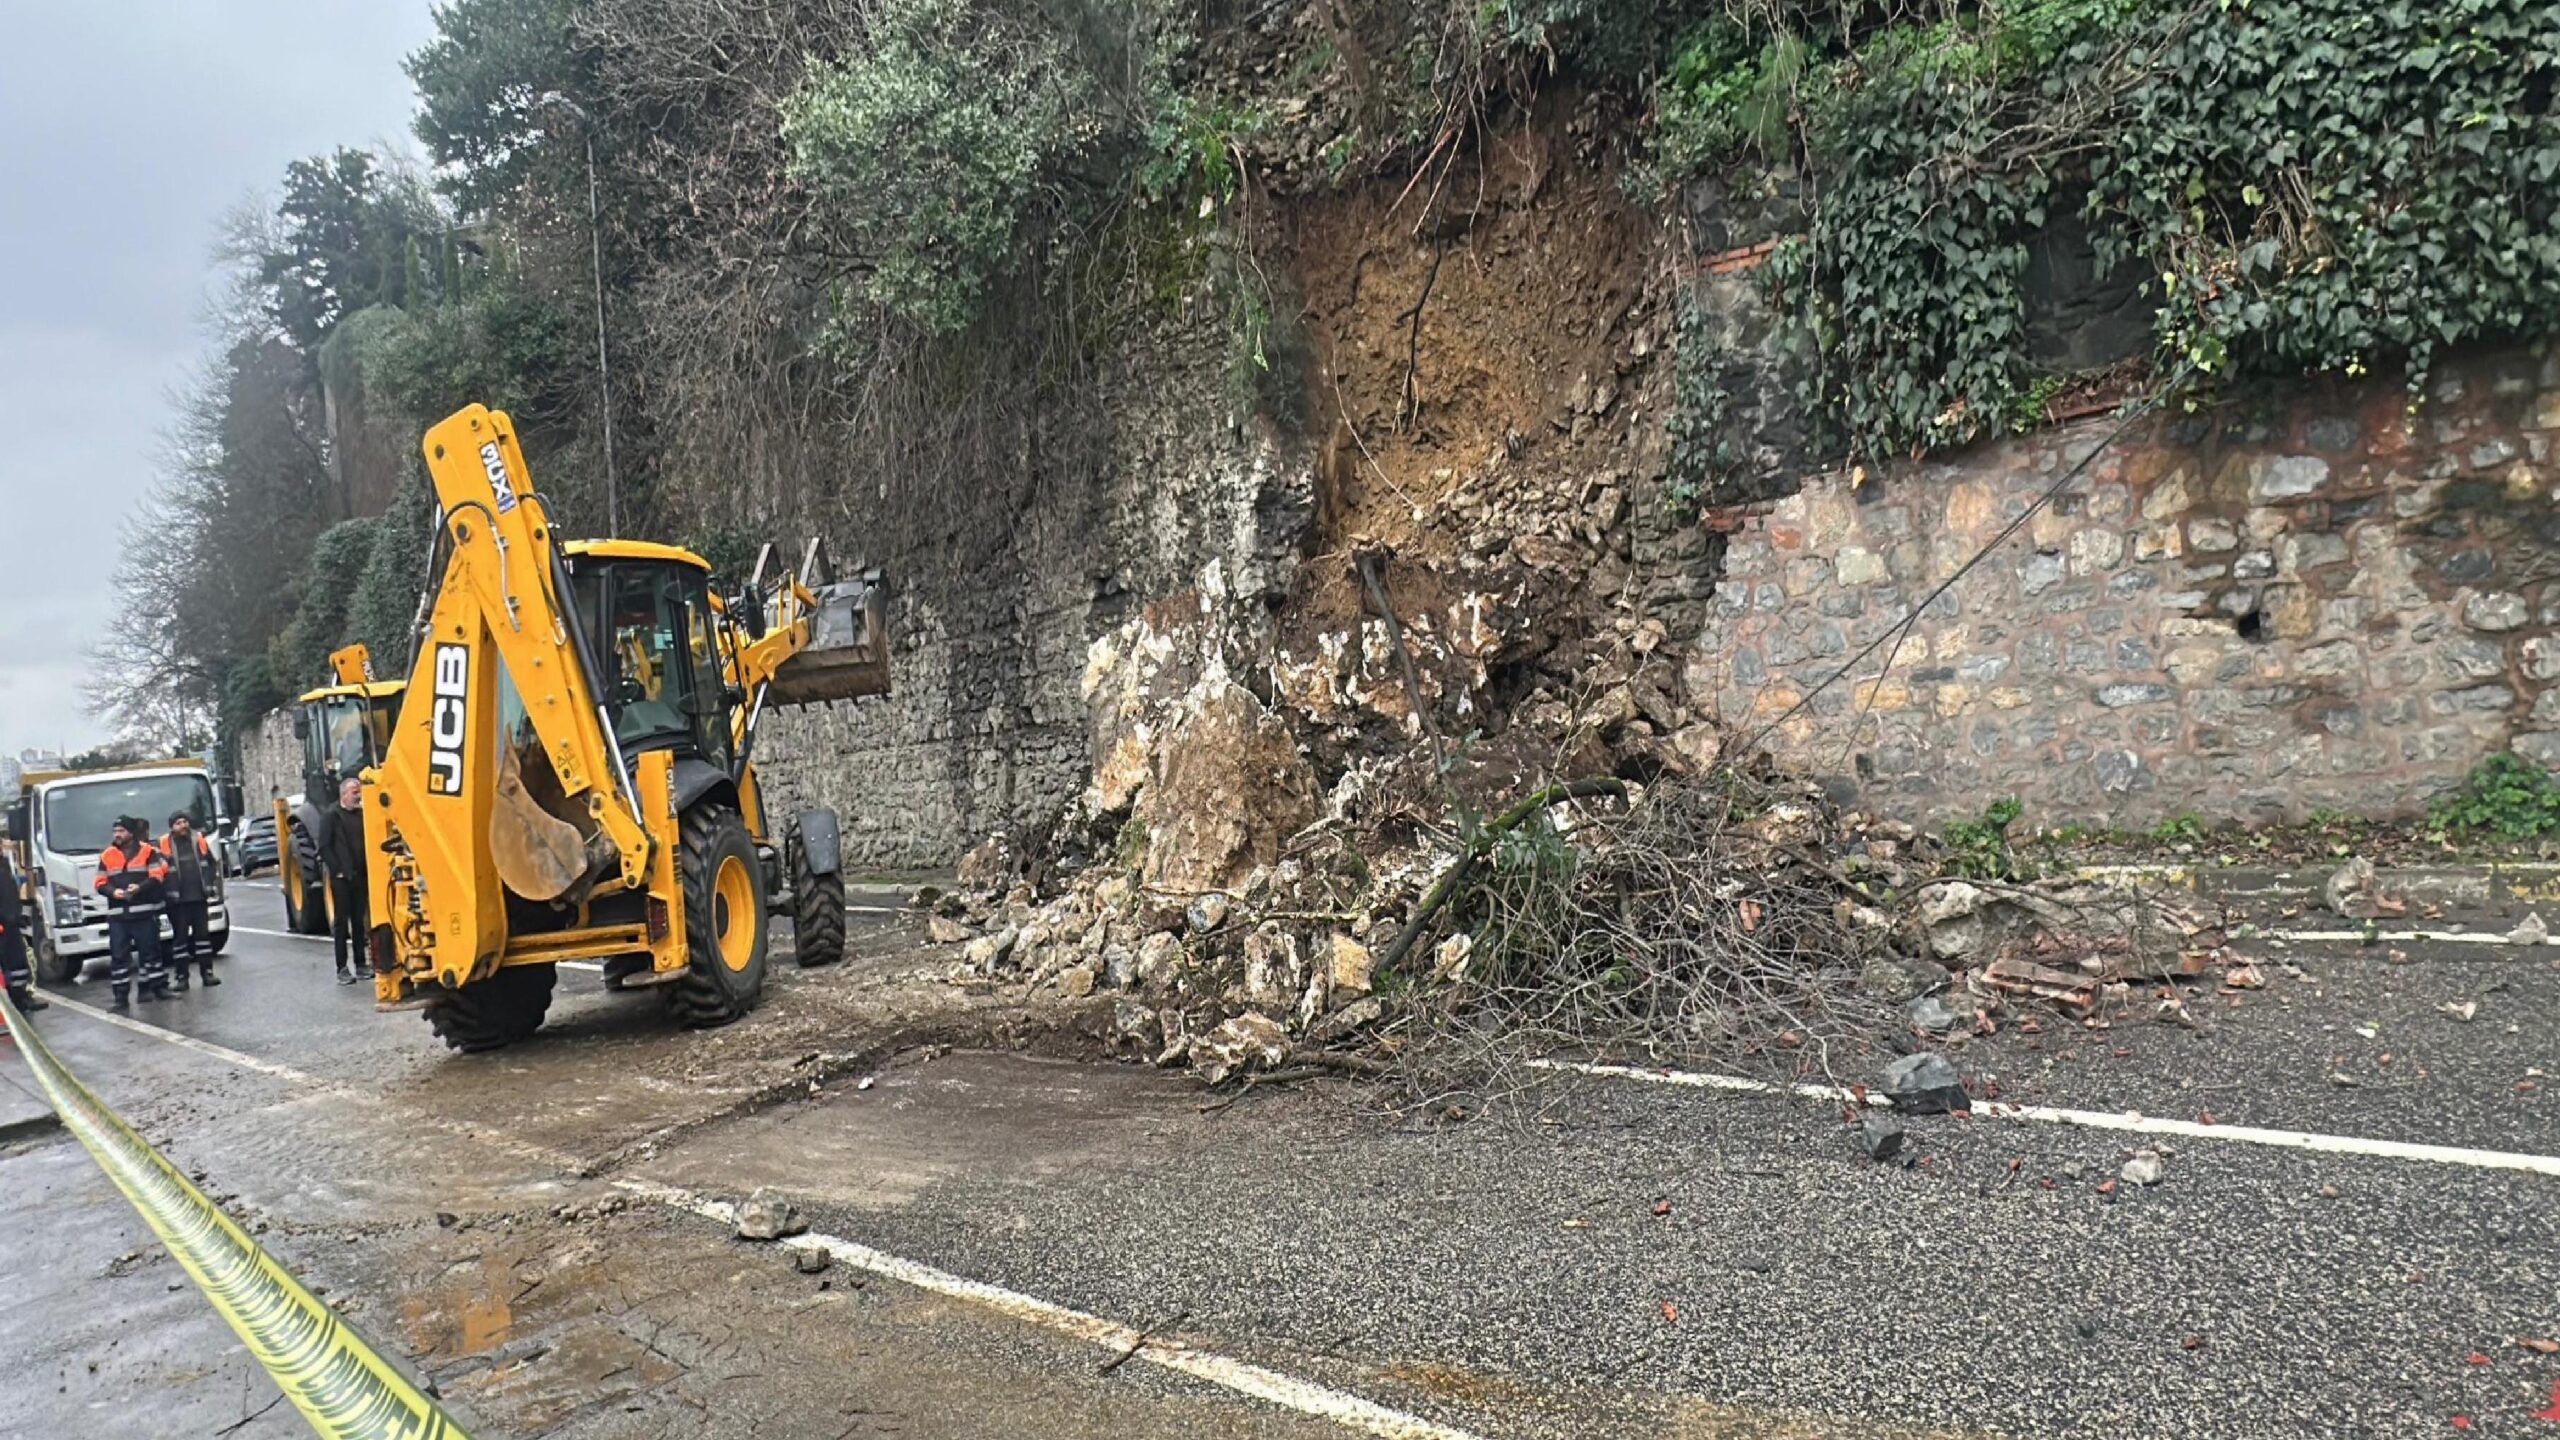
column 255, row 849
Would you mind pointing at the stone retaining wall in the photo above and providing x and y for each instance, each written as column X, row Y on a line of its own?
column 987, row 727
column 2315, row 597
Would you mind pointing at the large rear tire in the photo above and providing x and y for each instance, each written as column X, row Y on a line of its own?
column 817, row 919
column 306, row 891
column 724, row 921
column 498, row 1011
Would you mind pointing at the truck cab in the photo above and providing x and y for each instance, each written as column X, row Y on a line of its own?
column 60, row 824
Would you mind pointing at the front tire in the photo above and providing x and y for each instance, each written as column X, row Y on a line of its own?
column 817, row 920
column 724, row 921
column 494, row 1012
column 53, row 965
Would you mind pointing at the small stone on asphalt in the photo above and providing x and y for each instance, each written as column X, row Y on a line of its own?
column 1880, row 1135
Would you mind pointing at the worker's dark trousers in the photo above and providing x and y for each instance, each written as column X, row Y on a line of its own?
column 349, row 930
column 190, row 942
column 13, row 966
column 133, row 951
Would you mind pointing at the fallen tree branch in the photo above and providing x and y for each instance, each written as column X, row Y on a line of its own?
column 1456, row 875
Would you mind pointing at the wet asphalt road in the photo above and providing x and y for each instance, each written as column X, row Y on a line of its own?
column 1636, row 1261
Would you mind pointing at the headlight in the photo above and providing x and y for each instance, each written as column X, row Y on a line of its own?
column 66, row 906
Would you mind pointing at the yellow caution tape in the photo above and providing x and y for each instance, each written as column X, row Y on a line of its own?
column 342, row 1385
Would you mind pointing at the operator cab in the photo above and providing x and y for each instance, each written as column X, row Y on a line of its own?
column 654, row 639
column 343, row 729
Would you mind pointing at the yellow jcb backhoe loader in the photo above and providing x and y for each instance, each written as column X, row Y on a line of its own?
column 344, row 728
column 571, row 776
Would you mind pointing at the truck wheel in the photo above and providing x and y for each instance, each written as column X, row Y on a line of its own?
column 817, row 920
column 724, row 921
column 498, row 1011
column 53, row 965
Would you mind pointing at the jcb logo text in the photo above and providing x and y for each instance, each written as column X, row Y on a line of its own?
column 446, row 719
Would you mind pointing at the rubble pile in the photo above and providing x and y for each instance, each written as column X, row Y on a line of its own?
column 1220, row 905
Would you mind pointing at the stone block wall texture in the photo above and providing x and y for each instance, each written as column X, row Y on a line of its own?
column 987, row 728
column 270, row 762
column 2315, row 597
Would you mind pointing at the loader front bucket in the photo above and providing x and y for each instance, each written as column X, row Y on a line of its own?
column 848, row 654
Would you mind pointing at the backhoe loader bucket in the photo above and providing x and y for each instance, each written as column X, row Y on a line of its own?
column 848, row 654
column 537, row 854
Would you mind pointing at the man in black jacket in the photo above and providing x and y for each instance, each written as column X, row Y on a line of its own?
column 13, row 943
column 342, row 857
column 190, row 890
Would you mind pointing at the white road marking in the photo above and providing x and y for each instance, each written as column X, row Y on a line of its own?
column 1306, row 1397
column 2108, row 1120
column 2456, row 937
column 184, row 1042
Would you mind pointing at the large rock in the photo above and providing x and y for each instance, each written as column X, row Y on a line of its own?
column 1273, row 974
column 2350, row 887
column 1228, row 787
column 1251, row 1041
column 767, row 1216
column 1350, row 968
column 1159, row 961
column 1950, row 916
column 986, row 952
column 1925, row 1084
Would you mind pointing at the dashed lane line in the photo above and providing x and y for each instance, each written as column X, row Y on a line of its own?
column 1242, row 1377
column 2125, row 1120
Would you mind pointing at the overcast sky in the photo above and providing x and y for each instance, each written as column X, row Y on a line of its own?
column 126, row 129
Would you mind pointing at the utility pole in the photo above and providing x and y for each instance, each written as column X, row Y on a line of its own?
column 604, row 370
column 604, row 362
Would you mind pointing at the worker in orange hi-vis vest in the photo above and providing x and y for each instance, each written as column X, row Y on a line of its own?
column 131, row 873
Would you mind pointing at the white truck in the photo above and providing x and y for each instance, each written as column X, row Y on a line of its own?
column 58, row 826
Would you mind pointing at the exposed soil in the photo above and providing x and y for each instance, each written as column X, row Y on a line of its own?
column 1451, row 319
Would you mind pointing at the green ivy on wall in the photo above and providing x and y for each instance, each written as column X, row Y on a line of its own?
column 2318, row 185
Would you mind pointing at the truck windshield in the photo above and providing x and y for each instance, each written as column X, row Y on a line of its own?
column 78, row 815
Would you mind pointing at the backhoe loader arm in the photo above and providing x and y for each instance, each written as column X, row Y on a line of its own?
column 447, row 810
